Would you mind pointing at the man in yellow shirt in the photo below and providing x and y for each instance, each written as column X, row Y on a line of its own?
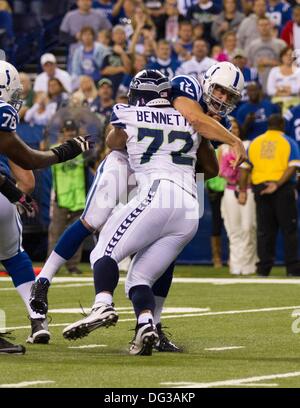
column 272, row 159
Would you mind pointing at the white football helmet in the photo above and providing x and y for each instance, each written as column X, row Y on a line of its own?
column 10, row 85
column 228, row 77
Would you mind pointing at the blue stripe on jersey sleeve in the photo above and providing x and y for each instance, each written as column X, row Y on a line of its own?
column 294, row 153
column 9, row 118
column 184, row 85
column 114, row 119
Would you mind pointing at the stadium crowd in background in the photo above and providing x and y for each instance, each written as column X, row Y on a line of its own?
column 107, row 42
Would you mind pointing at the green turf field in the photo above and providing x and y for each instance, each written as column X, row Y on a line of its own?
column 235, row 333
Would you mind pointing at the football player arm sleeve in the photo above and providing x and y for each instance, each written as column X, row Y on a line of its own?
column 116, row 139
column 208, row 127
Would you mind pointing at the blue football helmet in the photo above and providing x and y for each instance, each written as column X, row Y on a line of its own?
column 149, row 88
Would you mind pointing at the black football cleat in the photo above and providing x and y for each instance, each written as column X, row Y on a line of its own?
column 8, row 348
column 39, row 332
column 38, row 298
column 164, row 344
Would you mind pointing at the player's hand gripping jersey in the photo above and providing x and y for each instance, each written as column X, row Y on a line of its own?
column 161, row 144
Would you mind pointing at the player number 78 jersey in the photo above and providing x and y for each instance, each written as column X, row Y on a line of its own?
column 161, row 144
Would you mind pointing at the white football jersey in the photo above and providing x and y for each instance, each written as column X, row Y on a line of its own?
column 161, row 144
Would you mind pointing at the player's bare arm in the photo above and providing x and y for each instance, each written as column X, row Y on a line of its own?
column 17, row 151
column 116, row 139
column 24, row 178
column 209, row 127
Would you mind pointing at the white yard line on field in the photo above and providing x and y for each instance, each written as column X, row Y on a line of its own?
column 25, row 384
column 128, row 310
column 224, row 348
column 88, row 346
column 234, row 382
column 215, row 281
column 225, row 312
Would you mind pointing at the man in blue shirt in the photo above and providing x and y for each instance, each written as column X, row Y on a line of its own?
column 253, row 115
column 163, row 62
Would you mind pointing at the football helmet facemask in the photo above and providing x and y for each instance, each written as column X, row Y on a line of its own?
column 10, row 85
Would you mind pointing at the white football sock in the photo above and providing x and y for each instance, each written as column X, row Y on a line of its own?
column 159, row 304
column 145, row 317
column 24, row 291
column 52, row 265
column 103, row 297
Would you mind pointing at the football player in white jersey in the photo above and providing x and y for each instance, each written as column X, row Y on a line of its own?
column 11, row 146
column 188, row 96
column 163, row 160
column 153, row 145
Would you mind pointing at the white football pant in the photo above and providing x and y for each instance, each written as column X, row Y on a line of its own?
column 10, row 229
column 156, row 225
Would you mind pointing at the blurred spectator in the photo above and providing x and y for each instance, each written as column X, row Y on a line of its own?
column 239, row 220
column 229, row 42
column 41, row 112
column 28, row 7
column 6, row 27
column 291, row 31
column 279, row 13
column 184, row 46
column 144, row 32
column 57, row 94
column 198, row 31
column 204, row 12
column 184, row 5
column 228, row 20
column 163, row 61
column 46, row 105
column 292, row 123
column 104, row 37
column 139, row 62
column 199, row 63
column 113, row 9
column 156, row 11
column 215, row 189
column 27, row 94
column 88, row 57
column 83, row 16
column 104, row 101
column 117, row 63
column 247, row 7
column 250, row 74
column 248, row 30
column 87, row 91
column 48, row 63
column 171, row 20
column 274, row 158
column 69, row 195
column 253, row 116
column 284, row 81
column 263, row 53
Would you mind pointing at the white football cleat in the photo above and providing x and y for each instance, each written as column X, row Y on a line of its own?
column 145, row 338
column 102, row 315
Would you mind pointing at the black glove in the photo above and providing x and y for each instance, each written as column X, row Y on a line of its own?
column 25, row 204
column 73, row 147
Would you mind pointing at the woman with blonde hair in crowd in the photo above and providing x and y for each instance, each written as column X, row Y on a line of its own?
column 239, row 220
column 87, row 91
